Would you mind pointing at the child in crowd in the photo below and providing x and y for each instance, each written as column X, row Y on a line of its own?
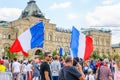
column 117, row 71
column 2, row 67
column 90, row 75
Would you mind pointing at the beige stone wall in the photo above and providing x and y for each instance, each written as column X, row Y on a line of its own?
column 7, row 35
column 116, row 50
column 101, row 41
column 62, row 39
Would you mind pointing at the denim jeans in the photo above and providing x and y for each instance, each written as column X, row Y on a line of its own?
column 24, row 76
column 55, row 78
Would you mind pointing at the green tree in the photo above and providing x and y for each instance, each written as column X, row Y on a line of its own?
column 95, row 55
column 110, row 56
column 41, row 55
column 104, row 56
column 116, row 56
column 64, row 56
column 54, row 53
column 9, row 54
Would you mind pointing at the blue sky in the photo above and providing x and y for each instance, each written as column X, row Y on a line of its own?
column 68, row 13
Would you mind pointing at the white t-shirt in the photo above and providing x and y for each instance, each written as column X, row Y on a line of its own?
column 29, row 67
column 91, row 77
column 55, row 67
column 17, row 67
column 24, row 66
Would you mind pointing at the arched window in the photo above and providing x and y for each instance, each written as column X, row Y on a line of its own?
column 9, row 36
column 38, row 52
column 50, row 37
column 114, row 51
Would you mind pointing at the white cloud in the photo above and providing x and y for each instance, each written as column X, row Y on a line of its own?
column 9, row 14
column 104, row 16
column 72, row 16
column 116, row 37
column 60, row 5
column 108, row 1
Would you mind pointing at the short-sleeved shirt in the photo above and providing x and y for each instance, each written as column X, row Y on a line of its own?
column 69, row 73
column 105, row 72
column 55, row 68
column 17, row 67
column 45, row 67
column 36, row 72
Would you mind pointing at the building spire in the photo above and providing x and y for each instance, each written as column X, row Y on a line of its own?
column 31, row 0
column 32, row 10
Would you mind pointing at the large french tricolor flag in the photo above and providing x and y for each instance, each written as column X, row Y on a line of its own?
column 81, row 45
column 31, row 38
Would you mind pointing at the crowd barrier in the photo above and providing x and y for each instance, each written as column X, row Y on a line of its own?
column 6, row 76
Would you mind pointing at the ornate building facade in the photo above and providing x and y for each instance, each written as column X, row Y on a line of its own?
column 116, row 48
column 101, row 40
column 54, row 37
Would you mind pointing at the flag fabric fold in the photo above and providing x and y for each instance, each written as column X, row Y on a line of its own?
column 81, row 45
column 31, row 38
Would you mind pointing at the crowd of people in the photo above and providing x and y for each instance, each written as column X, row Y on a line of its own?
column 56, row 68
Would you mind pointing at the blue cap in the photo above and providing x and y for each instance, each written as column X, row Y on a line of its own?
column 90, row 70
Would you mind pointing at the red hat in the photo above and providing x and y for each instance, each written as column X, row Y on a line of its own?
column 1, row 62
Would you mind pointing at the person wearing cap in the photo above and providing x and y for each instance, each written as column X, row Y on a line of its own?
column 90, row 75
column 2, row 67
column 104, row 72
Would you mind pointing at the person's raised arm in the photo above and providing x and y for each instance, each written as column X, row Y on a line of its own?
column 80, row 70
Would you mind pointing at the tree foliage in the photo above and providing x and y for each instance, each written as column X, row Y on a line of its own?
column 95, row 55
column 104, row 56
column 41, row 55
column 9, row 54
column 54, row 53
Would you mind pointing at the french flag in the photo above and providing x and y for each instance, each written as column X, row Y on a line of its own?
column 81, row 45
column 31, row 38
